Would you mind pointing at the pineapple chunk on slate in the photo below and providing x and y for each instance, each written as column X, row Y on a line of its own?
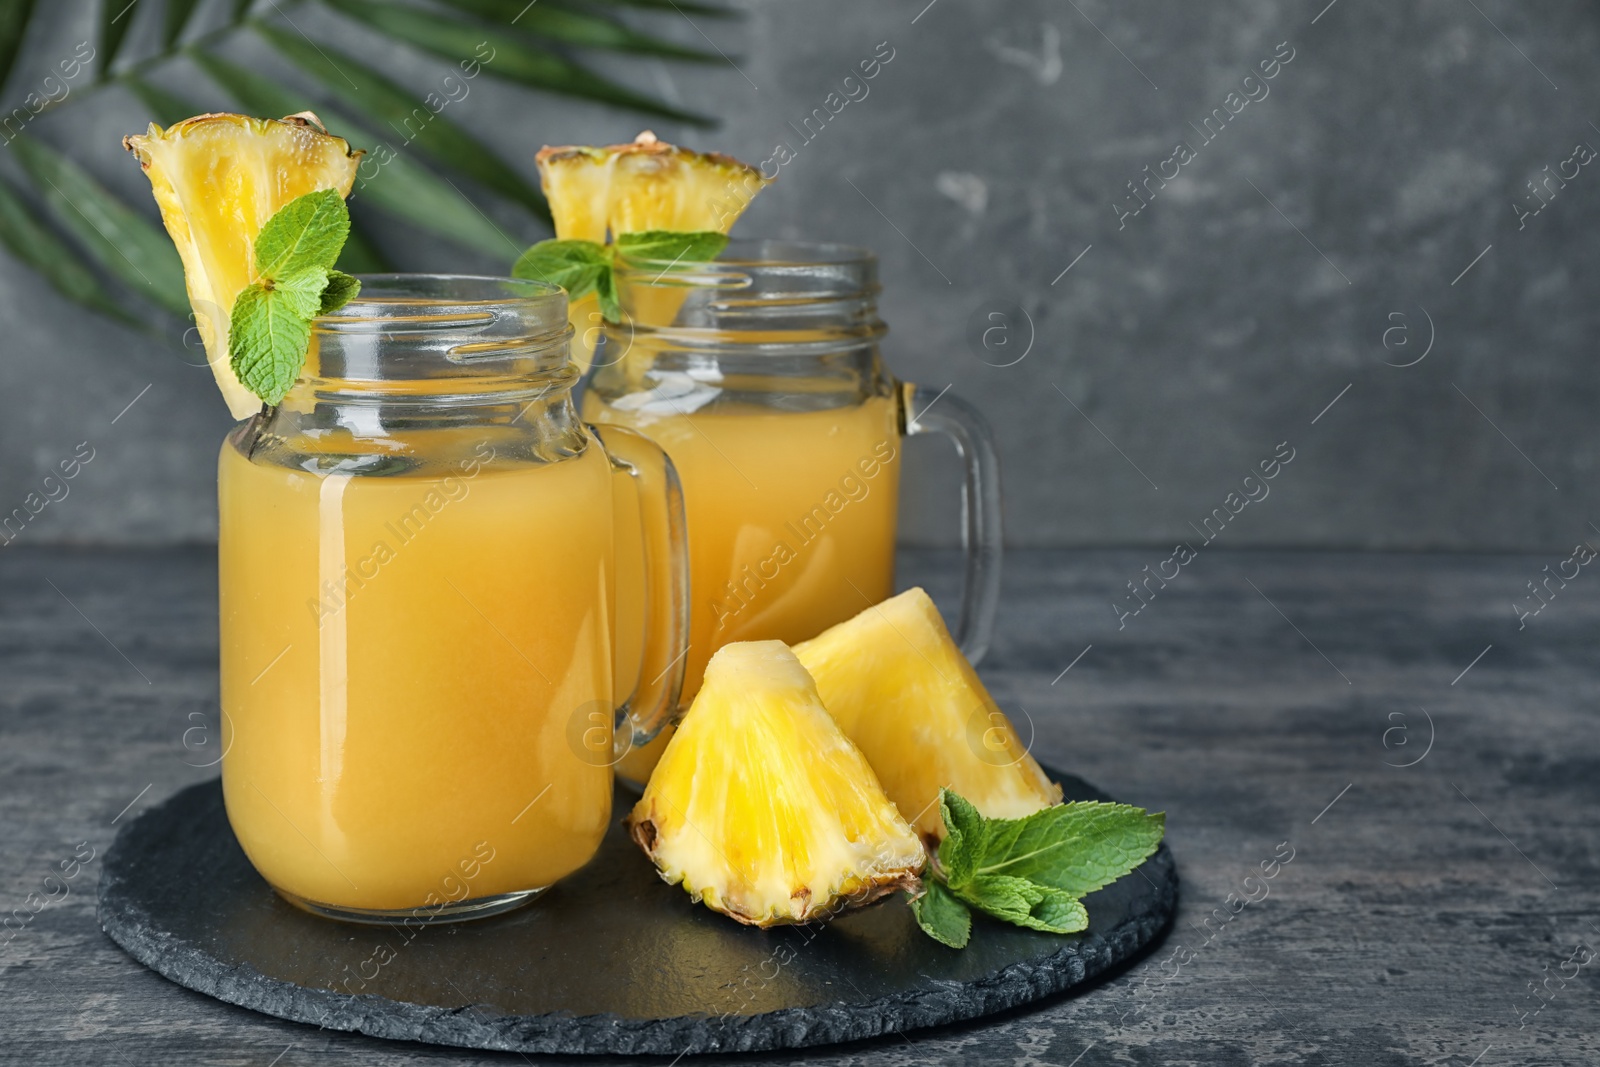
column 903, row 692
column 762, row 809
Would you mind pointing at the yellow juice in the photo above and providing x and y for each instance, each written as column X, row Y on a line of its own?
column 791, row 518
column 408, row 664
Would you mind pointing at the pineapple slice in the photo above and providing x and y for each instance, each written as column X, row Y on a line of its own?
column 645, row 185
column 218, row 179
column 627, row 188
column 762, row 808
column 902, row 691
column 659, row 186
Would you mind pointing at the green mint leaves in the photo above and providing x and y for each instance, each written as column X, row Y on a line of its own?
column 579, row 267
column 584, row 267
column 1032, row 871
column 669, row 246
column 941, row 916
column 269, row 329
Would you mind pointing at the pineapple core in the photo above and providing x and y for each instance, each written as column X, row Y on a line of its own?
column 762, row 808
column 903, row 692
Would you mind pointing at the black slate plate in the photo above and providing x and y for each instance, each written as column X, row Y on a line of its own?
column 611, row 960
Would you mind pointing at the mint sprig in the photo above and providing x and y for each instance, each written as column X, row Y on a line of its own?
column 584, row 267
column 579, row 267
column 269, row 329
column 1033, row 871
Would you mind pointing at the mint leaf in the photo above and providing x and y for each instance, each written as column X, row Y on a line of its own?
column 584, row 267
column 576, row 266
column 1077, row 847
column 341, row 289
column 301, row 290
column 268, row 335
column 269, row 329
column 671, row 246
column 941, row 916
column 962, row 846
column 308, row 231
column 606, row 289
column 1032, row 871
column 1024, row 903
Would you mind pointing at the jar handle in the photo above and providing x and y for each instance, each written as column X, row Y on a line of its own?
column 664, row 538
column 925, row 411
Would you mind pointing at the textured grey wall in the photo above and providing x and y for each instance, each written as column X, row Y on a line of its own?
column 1369, row 186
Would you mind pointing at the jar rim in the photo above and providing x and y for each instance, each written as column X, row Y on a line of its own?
column 743, row 253
column 389, row 298
column 407, row 334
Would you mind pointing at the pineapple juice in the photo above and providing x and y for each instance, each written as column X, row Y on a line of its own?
column 403, row 657
column 791, row 517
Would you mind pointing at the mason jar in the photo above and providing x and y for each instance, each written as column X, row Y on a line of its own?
column 418, row 561
column 760, row 374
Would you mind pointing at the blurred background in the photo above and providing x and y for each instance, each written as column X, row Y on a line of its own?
column 1154, row 243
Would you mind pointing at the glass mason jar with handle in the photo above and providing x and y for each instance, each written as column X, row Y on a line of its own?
column 418, row 562
column 760, row 375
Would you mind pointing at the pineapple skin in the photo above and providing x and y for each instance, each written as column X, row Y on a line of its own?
column 903, row 692
column 217, row 179
column 761, row 807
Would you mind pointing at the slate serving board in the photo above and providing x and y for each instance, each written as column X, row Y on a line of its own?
column 611, row 960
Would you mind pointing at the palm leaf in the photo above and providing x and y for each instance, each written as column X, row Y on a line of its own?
column 50, row 255
column 399, row 186
column 387, row 104
column 512, row 59
column 178, row 14
column 13, row 24
column 682, row 7
column 115, row 18
column 120, row 239
column 575, row 28
column 360, row 255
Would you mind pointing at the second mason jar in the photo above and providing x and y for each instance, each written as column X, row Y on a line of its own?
column 760, row 375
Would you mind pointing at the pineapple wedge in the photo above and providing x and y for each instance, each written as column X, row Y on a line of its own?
column 659, row 186
column 762, row 808
column 218, row 179
column 903, row 692
column 647, row 184
column 628, row 188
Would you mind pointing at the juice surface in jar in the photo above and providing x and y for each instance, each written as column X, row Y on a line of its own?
column 403, row 658
column 791, row 518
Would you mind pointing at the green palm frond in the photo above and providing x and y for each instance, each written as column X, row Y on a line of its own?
column 48, row 254
column 178, row 14
column 679, row 6
column 412, row 121
column 574, row 27
column 115, row 18
column 121, row 241
column 513, row 58
column 424, row 169
column 13, row 24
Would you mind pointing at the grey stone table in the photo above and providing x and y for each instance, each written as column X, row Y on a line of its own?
column 1433, row 768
